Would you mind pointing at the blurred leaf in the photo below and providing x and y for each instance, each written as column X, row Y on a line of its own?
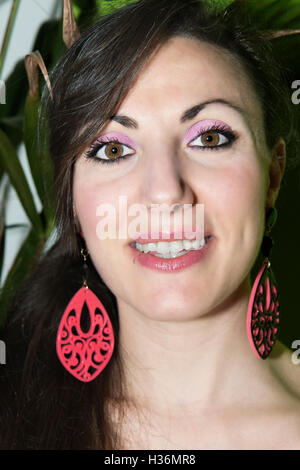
column 288, row 18
column 105, row 7
column 30, row 140
column 39, row 161
column 218, row 5
column 13, row 128
column 70, row 29
column 274, row 14
column 8, row 31
column 261, row 6
column 16, row 91
column 85, row 11
column 2, row 221
column 42, row 171
column 10, row 162
column 25, row 260
column 49, row 42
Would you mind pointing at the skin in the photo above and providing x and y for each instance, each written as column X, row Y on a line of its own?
column 188, row 363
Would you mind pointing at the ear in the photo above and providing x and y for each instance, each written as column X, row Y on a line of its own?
column 276, row 172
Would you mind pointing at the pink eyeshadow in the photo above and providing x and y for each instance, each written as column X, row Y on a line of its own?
column 123, row 139
column 203, row 126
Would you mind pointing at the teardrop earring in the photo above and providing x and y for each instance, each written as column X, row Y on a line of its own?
column 263, row 308
column 85, row 353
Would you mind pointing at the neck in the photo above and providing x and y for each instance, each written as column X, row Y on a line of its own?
column 206, row 362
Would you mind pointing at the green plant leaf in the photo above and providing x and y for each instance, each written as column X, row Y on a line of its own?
column 8, row 31
column 49, row 42
column 288, row 18
column 2, row 221
column 13, row 128
column 105, row 7
column 42, row 171
column 16, row 91
column 275, row 14
column 261, row 6
column 218, row 5
column 25, row 260
column 10, row 162
column 30, row 141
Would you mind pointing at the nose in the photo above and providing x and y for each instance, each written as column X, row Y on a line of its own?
column 166, row 183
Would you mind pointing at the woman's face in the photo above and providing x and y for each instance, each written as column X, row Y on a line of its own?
column 227, row 172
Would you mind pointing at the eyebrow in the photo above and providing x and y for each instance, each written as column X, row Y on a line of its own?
column 188, row 115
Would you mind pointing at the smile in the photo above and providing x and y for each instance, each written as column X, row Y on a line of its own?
column 173, row 249
column 171, row 256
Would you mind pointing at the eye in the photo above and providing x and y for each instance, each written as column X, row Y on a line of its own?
column 210, row 139
column 109, row 152
column 213, row 139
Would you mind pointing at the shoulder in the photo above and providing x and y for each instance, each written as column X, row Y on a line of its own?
column 285, row 364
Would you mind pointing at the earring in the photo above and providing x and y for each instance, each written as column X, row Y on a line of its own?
column 85, row 350
column 263, row 308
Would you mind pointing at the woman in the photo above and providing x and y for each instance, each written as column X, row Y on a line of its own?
column 161, row 103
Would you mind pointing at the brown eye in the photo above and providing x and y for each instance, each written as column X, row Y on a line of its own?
column 210, row 138
column 113, row 150
column 110, row 152
column 213, row 139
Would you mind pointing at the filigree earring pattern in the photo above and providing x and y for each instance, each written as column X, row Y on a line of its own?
column 263, row 309
column 85, row 350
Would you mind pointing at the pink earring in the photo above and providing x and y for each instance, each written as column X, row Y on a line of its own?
column 85, row 352
column 263, row 308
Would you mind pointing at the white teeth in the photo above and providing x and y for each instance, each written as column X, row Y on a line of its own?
column 165, row 247
column 171, row 249
column 196, row 244
column 146, row 248
column 187, row 244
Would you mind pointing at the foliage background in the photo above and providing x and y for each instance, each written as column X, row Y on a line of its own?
column 18, row 120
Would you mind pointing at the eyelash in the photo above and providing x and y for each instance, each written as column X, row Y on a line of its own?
column 96, row 147
column 231, row 136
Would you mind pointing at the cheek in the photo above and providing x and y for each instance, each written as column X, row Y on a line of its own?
column 96, row 193
column 234, row 201
column 91, row 194
column 239, row 205
column 237, row 189
column 242, row 191
column 87, row 199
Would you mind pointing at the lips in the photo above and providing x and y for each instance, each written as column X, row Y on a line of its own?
column 148, row 260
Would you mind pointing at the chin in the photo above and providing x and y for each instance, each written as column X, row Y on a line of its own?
column 171, row 310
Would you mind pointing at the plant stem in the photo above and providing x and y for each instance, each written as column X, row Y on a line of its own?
column 8, row 31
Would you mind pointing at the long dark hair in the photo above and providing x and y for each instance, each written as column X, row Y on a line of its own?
column 44, row 407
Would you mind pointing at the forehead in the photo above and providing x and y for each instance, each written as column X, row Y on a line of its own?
column 183, row 71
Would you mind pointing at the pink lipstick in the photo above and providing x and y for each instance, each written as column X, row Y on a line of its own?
column 172, row 264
